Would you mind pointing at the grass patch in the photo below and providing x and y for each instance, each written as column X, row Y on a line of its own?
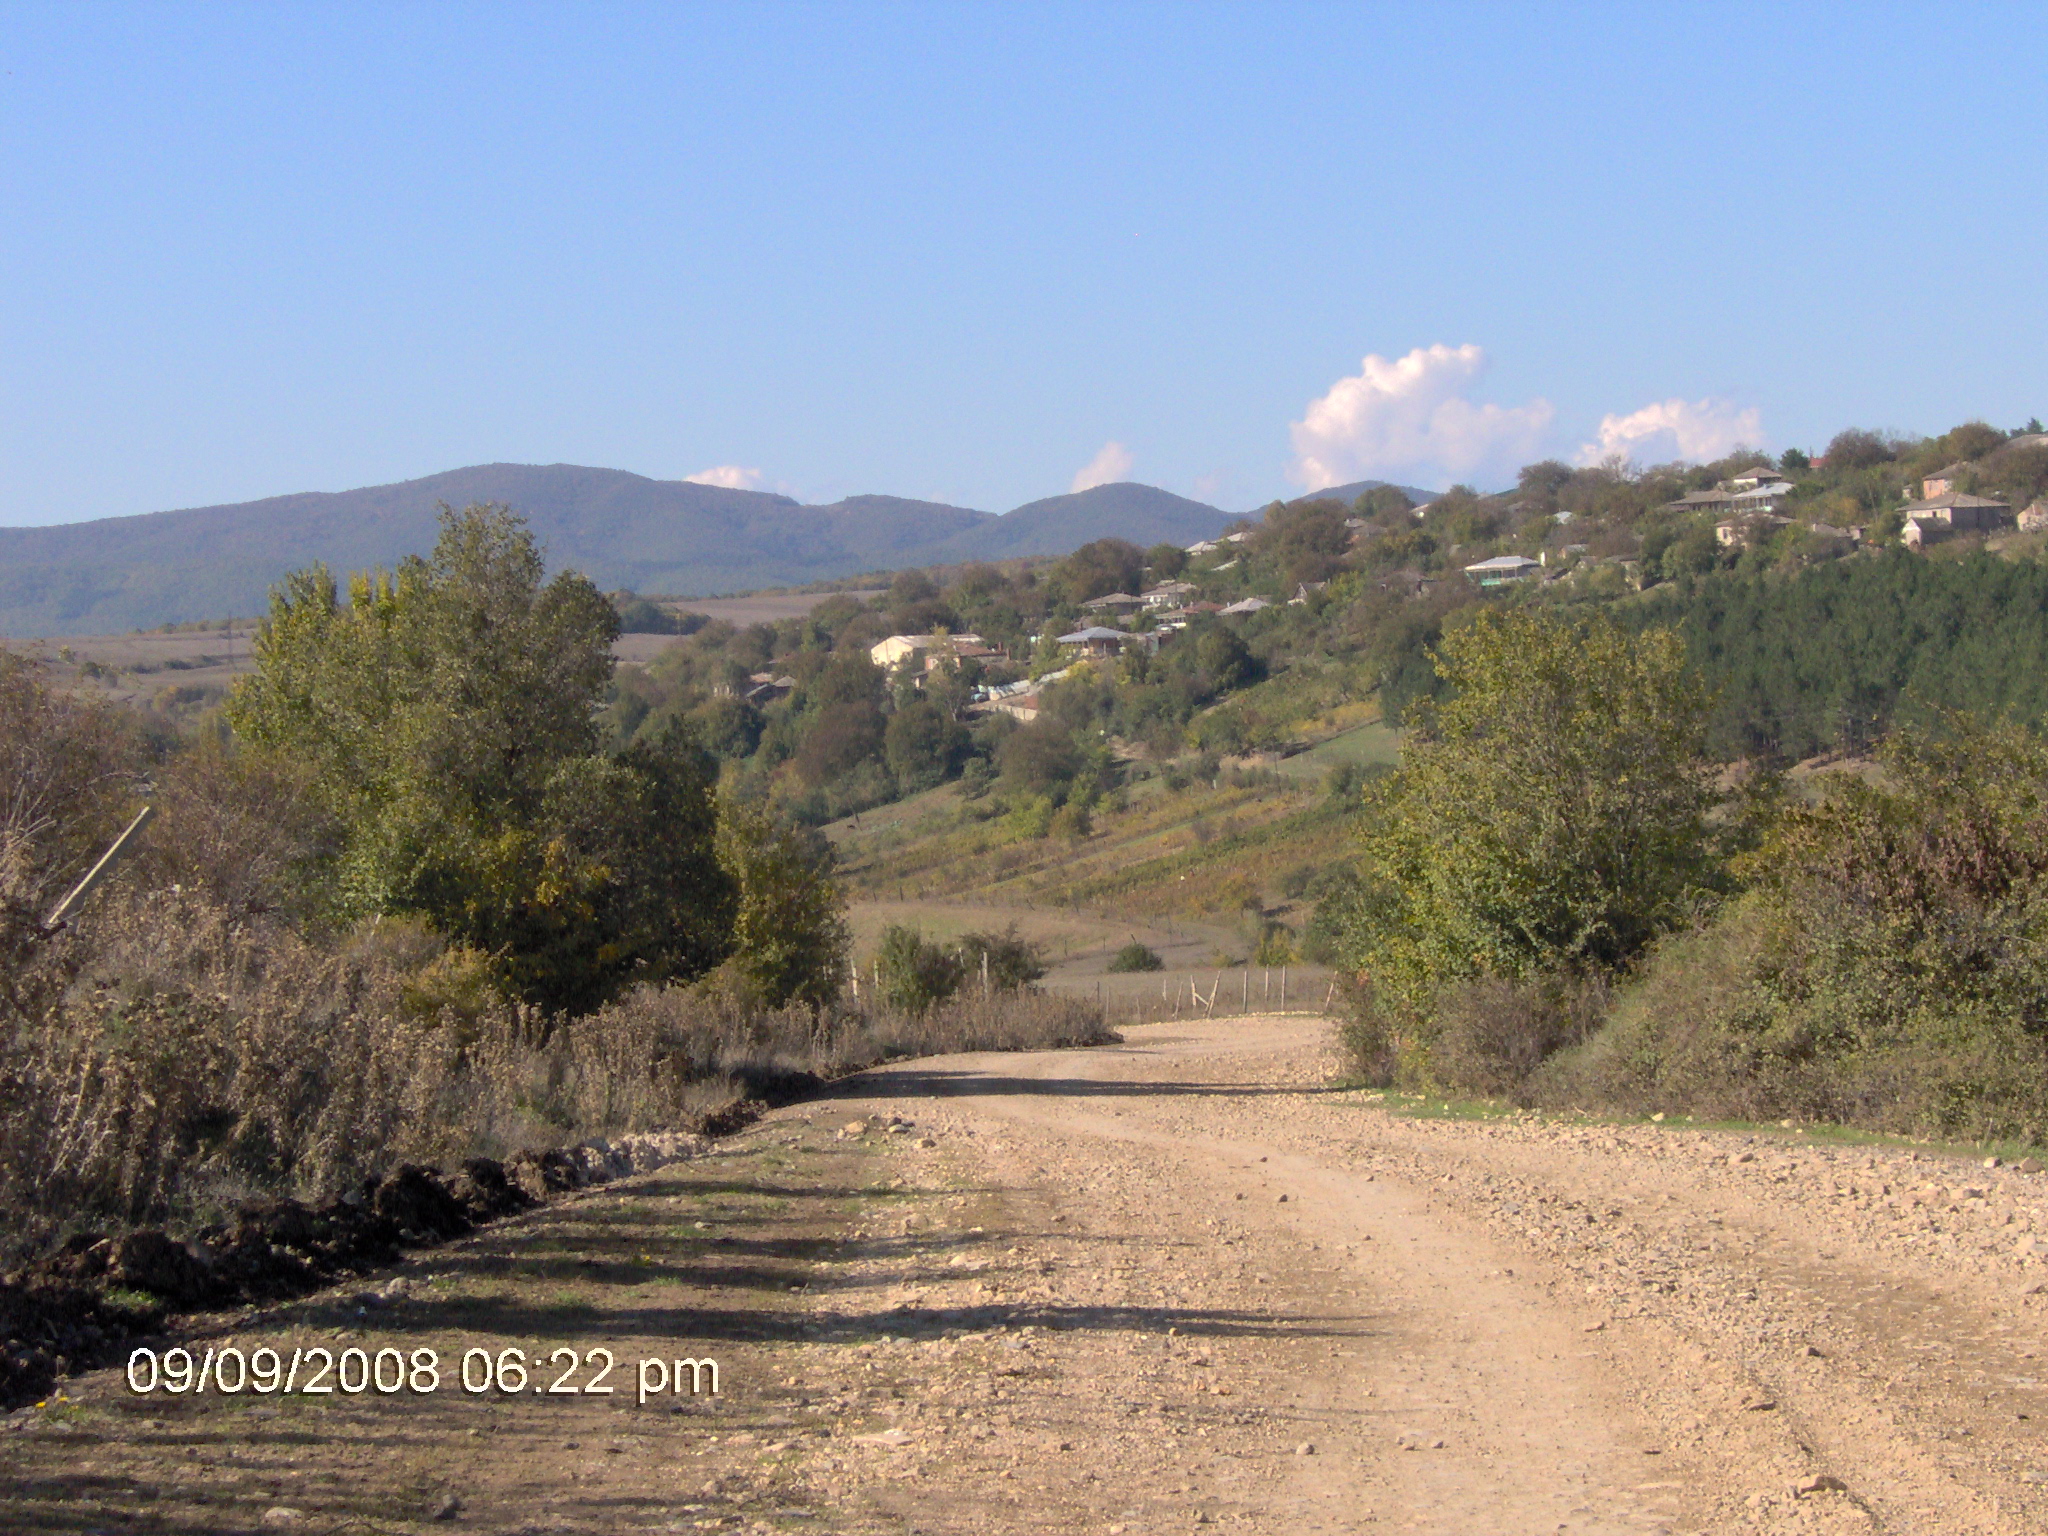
column 1374, row 744
column 1425, row 1106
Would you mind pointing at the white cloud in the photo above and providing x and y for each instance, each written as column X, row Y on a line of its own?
column 1409, row 419
column 731, row 476
column 1111, row 464
column 1676, row 429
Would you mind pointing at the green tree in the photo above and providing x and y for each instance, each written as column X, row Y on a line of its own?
column 1549, row 815
column 729, row 727
column 1041, row 758
column 1224, row 659
column 1305, row 541
column 447, row 716
column 917, row 973
column 1855, row 448
column 1106, row 565
column 1009, row 961
column 922, row 744
column 615, row 880
column 790, row 937
column 1165, row 561
column 839, row 740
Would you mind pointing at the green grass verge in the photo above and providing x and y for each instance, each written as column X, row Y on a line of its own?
column 1419, row 1106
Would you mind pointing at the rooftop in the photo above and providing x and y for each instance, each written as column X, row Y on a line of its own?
column 1092, row 632
column 1953, row 499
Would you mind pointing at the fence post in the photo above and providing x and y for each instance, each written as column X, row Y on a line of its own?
column 1283, row 988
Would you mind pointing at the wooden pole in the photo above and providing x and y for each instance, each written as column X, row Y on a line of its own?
column 99, row 871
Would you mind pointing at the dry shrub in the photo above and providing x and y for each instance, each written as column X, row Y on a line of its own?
column 1484, row 1037
column 1766, row 1014
column 191, row 1059
column 718, row 1035
column 184, row 1057
column 1492, row 1034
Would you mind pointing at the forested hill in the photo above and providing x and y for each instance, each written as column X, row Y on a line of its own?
column 623, row 530
column 1828, row 658
column 1140, row 514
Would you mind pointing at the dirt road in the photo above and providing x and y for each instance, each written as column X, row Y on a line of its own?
column 1168, row 1286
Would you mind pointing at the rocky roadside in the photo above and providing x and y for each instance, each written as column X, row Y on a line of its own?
column 904, row 1346
column 87, row 1302
column 1889, row 1305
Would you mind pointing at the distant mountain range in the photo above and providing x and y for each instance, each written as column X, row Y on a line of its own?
column 1357, row 488
column 620, row 529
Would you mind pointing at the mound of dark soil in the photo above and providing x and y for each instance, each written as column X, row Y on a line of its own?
column 77, row 1308
column 55, row 1315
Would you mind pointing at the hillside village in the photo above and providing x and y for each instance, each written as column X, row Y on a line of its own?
column 1577, row 531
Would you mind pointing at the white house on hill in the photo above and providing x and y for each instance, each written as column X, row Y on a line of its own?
column 1491, row 573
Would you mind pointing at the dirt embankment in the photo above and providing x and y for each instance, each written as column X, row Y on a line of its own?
column 1165, row 1286
column 93, row 1298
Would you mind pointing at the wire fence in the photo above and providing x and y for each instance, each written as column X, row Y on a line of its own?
column 1223, row 992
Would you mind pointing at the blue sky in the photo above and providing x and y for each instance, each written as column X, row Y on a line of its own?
column 967, row 251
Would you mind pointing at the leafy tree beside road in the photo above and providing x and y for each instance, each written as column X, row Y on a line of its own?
column 1549, row 814
column 447, row 716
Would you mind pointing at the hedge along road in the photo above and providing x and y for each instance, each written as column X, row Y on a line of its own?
column 1170, row 1285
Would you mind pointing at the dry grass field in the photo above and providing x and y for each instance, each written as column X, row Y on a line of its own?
column 138, row 668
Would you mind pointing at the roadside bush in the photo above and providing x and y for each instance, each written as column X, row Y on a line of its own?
column 789, row 935
column 1491, row 1035
column 1275, row 945
column 1136, row 957
column 1551, row 815
column 915, row 972
column 1007, row 959
column 1889, row 968
column 445, row 717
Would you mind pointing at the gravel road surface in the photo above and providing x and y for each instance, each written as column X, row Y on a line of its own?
column 1174, row 1285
